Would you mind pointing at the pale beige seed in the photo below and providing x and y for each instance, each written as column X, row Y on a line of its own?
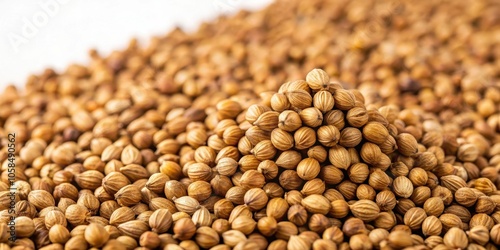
column 365, row 210
column 465, row 196
column 121, row 215
column 297, row 243
column 339, row 157
column 402, row 187
column 308, row 169
column 267, row 121
column 255, row 199
column 304, row 137
column 299, row 98
column 202, row 217
column 25, row 227
column 311, row 117
column 407, row 144
column 281, row 139
column 253, row 112
column 317, row 79
column 288, row 159
column 186, row 204
column 96, row 235
column 431, row 226
column 264, row 150
column 344, row 99
column 233, row 237
column 41, row 199
column 279, row 102
column 350, row 137
column 133, row 228
column 455, row 238
column 328, row 135
column 375, row 132
column 479, row 234
column 414, row 217
column 434, row 206
column 316, row 204
column 228, row 109
column 59, row 234
column 277, row 208
column 160, row 221
column 128, row 195
column 289, row 120
column 323, row 101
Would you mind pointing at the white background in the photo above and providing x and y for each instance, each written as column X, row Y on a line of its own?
column 37, row 34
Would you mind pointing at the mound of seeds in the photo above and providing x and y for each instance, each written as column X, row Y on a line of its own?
column 210, row 141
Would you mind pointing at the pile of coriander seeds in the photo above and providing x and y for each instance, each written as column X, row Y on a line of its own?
column 211, row 140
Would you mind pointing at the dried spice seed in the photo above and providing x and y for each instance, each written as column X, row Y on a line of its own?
column 366, row 210
column 208, row 140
